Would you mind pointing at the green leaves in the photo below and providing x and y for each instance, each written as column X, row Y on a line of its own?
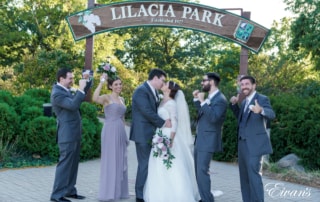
column 305, row 28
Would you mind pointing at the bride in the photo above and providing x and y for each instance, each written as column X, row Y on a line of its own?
column 178, row 182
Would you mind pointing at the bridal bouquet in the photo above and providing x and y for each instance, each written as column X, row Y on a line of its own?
column 161, row 148
column 107, row 68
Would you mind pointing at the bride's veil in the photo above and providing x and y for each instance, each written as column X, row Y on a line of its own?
column 184, row 130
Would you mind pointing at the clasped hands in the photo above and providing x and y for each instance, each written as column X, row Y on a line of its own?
column 198, row 95
column 85, row 85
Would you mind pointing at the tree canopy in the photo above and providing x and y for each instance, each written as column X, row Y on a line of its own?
column 306, row 28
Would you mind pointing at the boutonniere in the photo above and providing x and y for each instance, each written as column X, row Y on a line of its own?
column 208, row 102
column 73, row 91
column 160, row 97
column 250, row 107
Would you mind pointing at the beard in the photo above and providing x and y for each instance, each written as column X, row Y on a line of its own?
column 206, row 88
column 247, row 91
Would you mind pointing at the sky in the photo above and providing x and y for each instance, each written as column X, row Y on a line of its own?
column 262, row 12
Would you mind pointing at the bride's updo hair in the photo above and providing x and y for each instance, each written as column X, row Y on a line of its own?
column 111, row 80
column 174, row 87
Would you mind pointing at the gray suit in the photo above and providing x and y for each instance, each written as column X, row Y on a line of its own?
column 66, row 107
column 208, row 140
column 253, row 142
column 145, row 120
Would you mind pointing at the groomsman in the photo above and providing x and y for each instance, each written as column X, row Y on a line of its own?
column 211, row 115
column 253, row 140
column 69, row 129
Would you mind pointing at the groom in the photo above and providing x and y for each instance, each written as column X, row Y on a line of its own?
column 211, row 115
column 145, row 120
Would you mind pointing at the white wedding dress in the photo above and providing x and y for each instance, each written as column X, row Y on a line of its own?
column 178, row 183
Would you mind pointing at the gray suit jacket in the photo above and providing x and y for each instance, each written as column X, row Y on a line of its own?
column 210, row 123
column 253, row 127
column 66, row 107
column 145, row 119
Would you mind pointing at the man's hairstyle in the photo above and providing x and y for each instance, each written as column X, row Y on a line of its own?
column 62, row 73
column 215, row 77
column 156, row 72
column 251, row 78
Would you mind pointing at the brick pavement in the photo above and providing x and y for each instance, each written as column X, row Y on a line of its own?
column 35, row 184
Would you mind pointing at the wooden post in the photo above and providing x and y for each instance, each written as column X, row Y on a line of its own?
column 88, row 60
column 244, row 51
column 243, row 58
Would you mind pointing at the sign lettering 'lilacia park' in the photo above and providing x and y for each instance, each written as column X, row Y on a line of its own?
column 168, row 14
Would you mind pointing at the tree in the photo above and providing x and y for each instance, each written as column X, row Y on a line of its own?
column 38, row 35
column 305, row 28
column 280, row 69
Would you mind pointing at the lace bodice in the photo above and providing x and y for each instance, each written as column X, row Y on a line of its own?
column 169, row 111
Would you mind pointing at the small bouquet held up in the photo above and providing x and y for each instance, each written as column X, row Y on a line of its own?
column 161, row 148
column 107, row 68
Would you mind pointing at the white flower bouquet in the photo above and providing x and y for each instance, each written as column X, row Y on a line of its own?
column 161, row 148
column 107, row 68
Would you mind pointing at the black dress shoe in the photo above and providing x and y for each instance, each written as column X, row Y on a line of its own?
column 139, row 200
column 62, row 199
column 76, row 196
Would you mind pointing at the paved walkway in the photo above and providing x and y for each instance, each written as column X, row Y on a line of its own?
column 35, row 184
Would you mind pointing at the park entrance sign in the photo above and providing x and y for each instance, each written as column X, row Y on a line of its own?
column 193, row 16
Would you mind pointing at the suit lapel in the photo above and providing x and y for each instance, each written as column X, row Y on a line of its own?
column 151, row 94
column 200, row 112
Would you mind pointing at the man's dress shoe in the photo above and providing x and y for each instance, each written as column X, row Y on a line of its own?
column 76, row 196
column 139, row 200
column 62, row 199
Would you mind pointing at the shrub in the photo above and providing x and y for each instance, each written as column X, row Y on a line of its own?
column 42, row 95
column 296, row 128
column 9, row 123
column 39, row 136
column 91, row 129
column 25, row 101
column 9, row 127
column 229, row 139
column 6, row 97
column 30, row 113
column 90, row 142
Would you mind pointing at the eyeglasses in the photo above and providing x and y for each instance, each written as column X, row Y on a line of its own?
column 204, row 80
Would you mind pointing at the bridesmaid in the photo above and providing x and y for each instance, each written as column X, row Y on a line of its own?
column 114, row 141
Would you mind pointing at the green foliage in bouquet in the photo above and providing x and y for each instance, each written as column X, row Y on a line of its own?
column 161, row 148
column 108, row 69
